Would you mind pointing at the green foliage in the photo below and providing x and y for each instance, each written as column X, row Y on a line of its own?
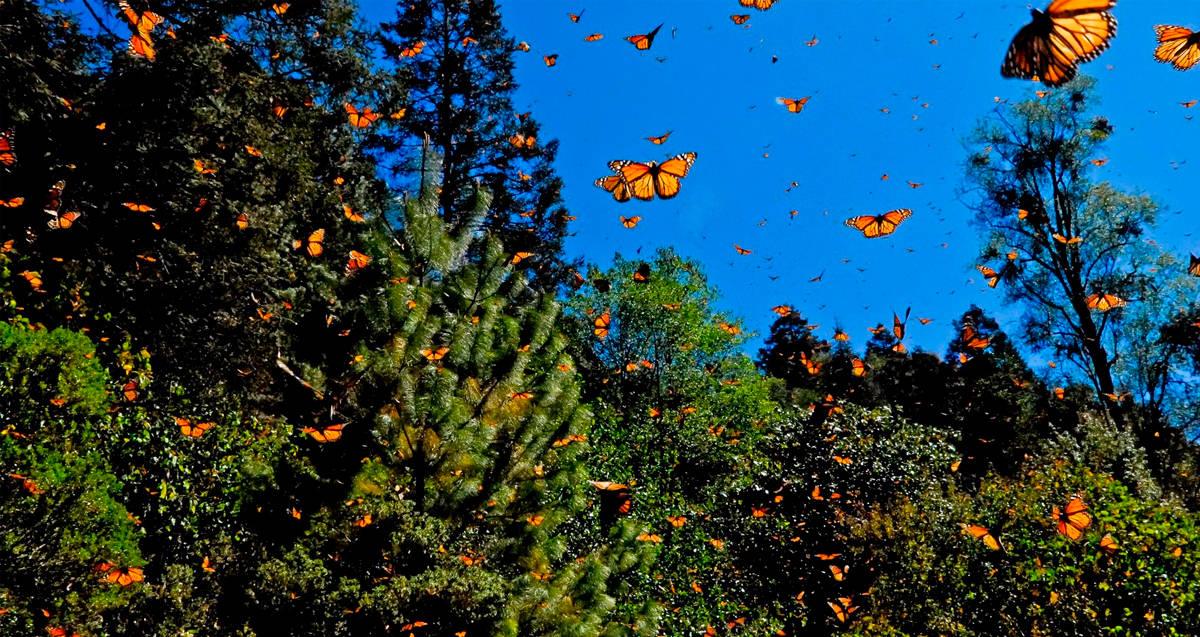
column 60, row 508
column 681, row 415
column 453, row 60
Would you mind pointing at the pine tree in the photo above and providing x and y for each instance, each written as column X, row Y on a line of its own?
column 447, row 488
column 454, row 62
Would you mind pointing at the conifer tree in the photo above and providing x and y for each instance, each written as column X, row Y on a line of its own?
column 445, row 492
column 454, row 61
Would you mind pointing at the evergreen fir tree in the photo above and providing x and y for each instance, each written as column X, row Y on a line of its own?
column 454, row 61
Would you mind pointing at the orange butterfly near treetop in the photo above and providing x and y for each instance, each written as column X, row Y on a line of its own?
column 646, row 180
column 360, row 119
column 1177, row 46
column 142, row 24
column 643, row 41
column 875, row 226
column 1068, row 33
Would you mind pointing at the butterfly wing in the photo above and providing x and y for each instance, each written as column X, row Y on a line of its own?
column 638, row 177
column 668, row 174
column 1177, row 46
column 615, row 184
column 892, row 219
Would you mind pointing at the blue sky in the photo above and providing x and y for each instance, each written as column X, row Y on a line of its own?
column 934, row 65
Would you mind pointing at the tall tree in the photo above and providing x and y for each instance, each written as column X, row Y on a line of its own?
column 1075, row 246
column 454, row 61
column 680, row 416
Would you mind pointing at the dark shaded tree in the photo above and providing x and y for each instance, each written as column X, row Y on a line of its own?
column 454, row 61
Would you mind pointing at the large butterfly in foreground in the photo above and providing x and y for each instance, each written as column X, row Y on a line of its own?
column 875, row 226
column 634, row 179
column 1069, row 32
column 1177, row 46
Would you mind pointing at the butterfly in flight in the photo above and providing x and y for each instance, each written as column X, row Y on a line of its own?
column 875, row 226
column 8, row 155
column 1050, row 48
column 761, row 5
column 1194, row 265
column 1177, row 46
column 982, row 534
column 659, row 140
column 1073, row 519
column 793, row 104
column 360, row 119
column 643, row 41
column 1104, row 302
column 643, row 181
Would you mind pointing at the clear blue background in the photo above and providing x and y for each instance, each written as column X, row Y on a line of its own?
column 933, row 64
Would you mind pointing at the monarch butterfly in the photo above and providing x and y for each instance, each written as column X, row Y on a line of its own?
column 1060, row 393
column 840, row 335
column 601, row 325
column 523, row 46
column 838, row 572
column 203, row 167
column 972, row 340
column 574, row 17
column 982, row 534
column 357, row 261
column 8, row 155
column 243, row 221
column 1074, row 519
column 783, row 310
column 677, row 521
column 659, row 140
column 813, row 367
column 644, row 181
column 413, row 50
column 615, row 498
column 121, row 576
column 740, row 18
column 331, row 433
column 644, row 41
column 594, row 37
column 360, row 119
column 253, row 152
column 1177, row 46
column 279, row 110
column 1056, row 41
column 64, row 220
column 13, row 202
column 352, row 215
column 742, row 251
column 761, row 5
column 138, row 207
column 1067, row 241
column 522, row 141
column 1194, row 265
column 551, row 59
column 1108, row 544
column 875, row 226
column 314, row 245
column 858, row 368
column 519, row 257
column 191, row 429
column 729, row 328
column 630, row 222
column 280, row 8
column 842, row 608
column 435, row 354
column 1104, row 302
column 793, row 104
column 899, row 327
column 615, row 184
column 130, row 390
column 34, row 279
